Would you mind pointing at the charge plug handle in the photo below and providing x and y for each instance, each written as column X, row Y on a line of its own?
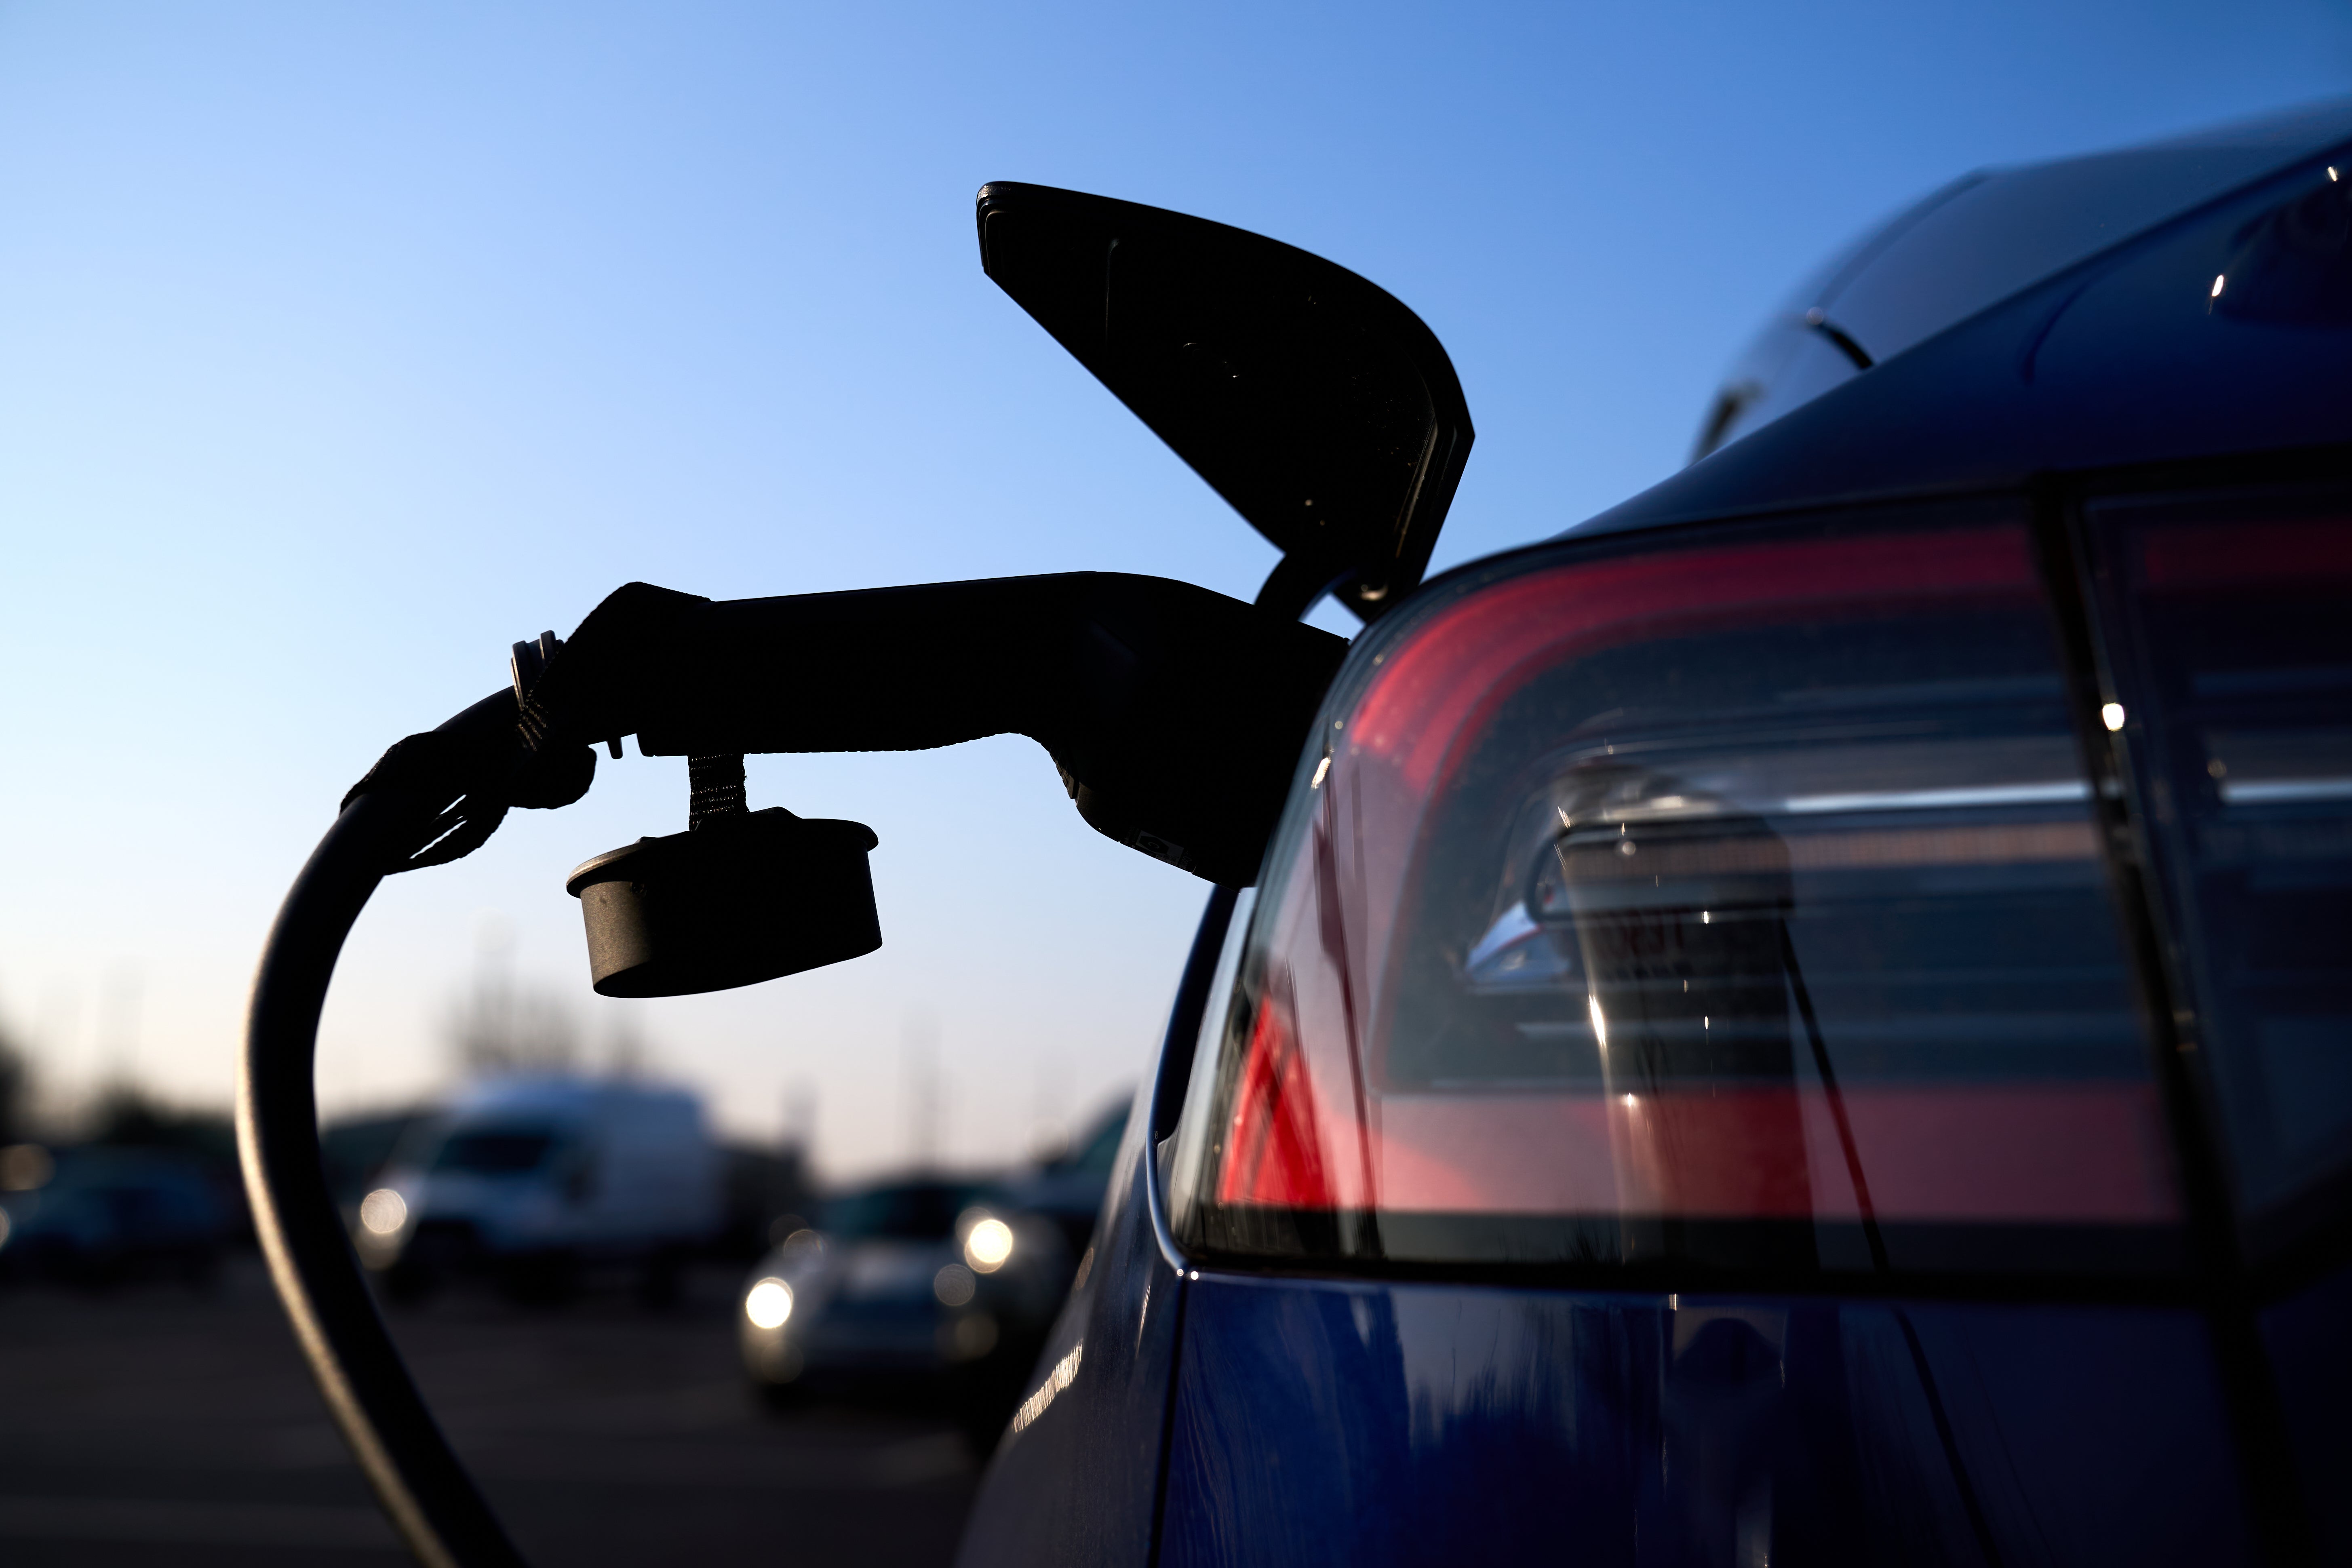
column 738, row 898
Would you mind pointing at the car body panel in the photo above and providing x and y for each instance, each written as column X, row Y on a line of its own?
column 1077, row 1478
column 2306, row 1336
column 1370, row 1423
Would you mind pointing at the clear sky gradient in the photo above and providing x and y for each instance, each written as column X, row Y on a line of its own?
column 341, row 346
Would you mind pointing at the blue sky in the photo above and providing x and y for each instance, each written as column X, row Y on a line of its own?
column 339, row 348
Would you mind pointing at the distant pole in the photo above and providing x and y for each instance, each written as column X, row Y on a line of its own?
column 626, row 1054
column 118, row 1033
column 55, row 1031
column 921, row 1048
column 486, row 1041
column 799, row 1118
column 1049, row 1131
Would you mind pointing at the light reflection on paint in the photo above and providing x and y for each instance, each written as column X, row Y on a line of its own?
column 1065, row 1373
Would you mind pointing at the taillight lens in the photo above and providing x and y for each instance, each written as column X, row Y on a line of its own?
column 2229, row 621
column 1736, row 902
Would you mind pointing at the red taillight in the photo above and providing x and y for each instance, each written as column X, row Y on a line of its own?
column 1479, row 650
column 2263, row 556
column 1276, row 1145
column 1692, row 902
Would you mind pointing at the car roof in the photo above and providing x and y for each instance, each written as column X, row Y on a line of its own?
column 918, row 1184
column 556, row 1096
column 2114, row 358
column 1985, row 237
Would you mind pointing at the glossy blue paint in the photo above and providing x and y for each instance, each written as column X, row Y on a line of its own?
column 1079, row 1483
column 2309, row 1337
column 1370, row 1424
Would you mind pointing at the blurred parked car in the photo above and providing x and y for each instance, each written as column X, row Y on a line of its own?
column 1069, row 1189
column 104, row 1216
column 356, row 1150
column 765, row 1192
column 913, row 1284
column 535, row 1181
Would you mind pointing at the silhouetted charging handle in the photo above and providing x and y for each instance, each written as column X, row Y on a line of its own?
column 1172, row 714
column 740, row 896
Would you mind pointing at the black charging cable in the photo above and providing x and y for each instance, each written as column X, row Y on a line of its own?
column 417, row 1476
column 1174, row 714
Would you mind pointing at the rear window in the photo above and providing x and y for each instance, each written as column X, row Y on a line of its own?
column 925, row 1211
column 2227, row 621
column 1101, row 1151
column 494, row 1150
column 1731, row 905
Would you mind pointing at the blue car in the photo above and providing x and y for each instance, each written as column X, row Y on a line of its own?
column 1800, row 1021
column 99, row 1216
column 1805, row 1019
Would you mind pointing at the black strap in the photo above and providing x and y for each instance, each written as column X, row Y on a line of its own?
column 715, row 789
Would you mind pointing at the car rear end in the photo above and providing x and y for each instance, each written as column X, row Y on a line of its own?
column 1804, row 1020
column 1844, row 987
column 1813, row 1039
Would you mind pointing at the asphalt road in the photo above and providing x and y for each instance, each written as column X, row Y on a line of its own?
column 160, row 1425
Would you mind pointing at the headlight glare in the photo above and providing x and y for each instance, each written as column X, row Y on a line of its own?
column 987, row 1244
column 384, row 1212
column 768, row 1303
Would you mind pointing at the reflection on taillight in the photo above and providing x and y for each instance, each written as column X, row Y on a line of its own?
column 1274, row 1149
column 1687, row 987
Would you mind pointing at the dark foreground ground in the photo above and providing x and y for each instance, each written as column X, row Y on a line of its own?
column 159, row 1425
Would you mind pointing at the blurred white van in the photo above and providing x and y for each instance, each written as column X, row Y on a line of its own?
column 538, row 1181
